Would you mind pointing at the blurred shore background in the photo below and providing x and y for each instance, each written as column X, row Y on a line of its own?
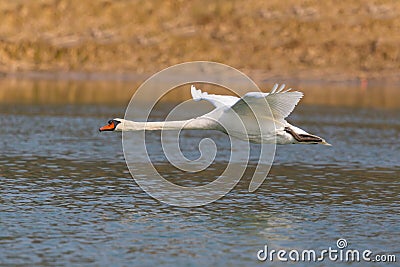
column 353, row 43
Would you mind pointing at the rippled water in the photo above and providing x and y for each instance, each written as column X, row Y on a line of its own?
column 67, row 197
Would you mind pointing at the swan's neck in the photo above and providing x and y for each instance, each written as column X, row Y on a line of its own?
column 192, row 124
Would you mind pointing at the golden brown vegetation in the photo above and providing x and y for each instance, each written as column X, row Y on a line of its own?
column 294, row 38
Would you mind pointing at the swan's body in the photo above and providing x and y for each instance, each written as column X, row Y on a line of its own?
column 246, row 118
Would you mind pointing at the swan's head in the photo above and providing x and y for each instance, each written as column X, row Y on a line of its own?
column 113, row 125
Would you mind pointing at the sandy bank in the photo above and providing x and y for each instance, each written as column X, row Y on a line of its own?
column 308, row 40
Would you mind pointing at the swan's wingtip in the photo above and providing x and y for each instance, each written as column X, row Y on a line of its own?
column 196, row 94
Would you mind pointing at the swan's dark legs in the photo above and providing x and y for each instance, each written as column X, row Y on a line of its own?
column 303, row 137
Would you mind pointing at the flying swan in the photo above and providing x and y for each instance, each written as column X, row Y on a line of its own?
column 231, row 113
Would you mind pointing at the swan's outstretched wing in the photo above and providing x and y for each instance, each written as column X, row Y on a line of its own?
column 216, row 100
column 281, row 102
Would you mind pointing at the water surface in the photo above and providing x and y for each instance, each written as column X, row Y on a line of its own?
column 67, row 197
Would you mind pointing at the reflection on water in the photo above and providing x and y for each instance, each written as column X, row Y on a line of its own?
column 112, row 92
column 68, row 198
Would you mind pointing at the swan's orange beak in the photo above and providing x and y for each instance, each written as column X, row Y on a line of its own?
column 108, row 127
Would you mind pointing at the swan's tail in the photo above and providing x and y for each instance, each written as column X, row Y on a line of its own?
column 325, row 143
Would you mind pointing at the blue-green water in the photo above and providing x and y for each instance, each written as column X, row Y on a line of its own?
column 67, row 198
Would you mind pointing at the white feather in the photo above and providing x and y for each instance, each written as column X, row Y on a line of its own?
column 280, row 102
column 216, row 100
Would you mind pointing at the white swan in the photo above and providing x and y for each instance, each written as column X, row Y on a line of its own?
column 275, row 128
